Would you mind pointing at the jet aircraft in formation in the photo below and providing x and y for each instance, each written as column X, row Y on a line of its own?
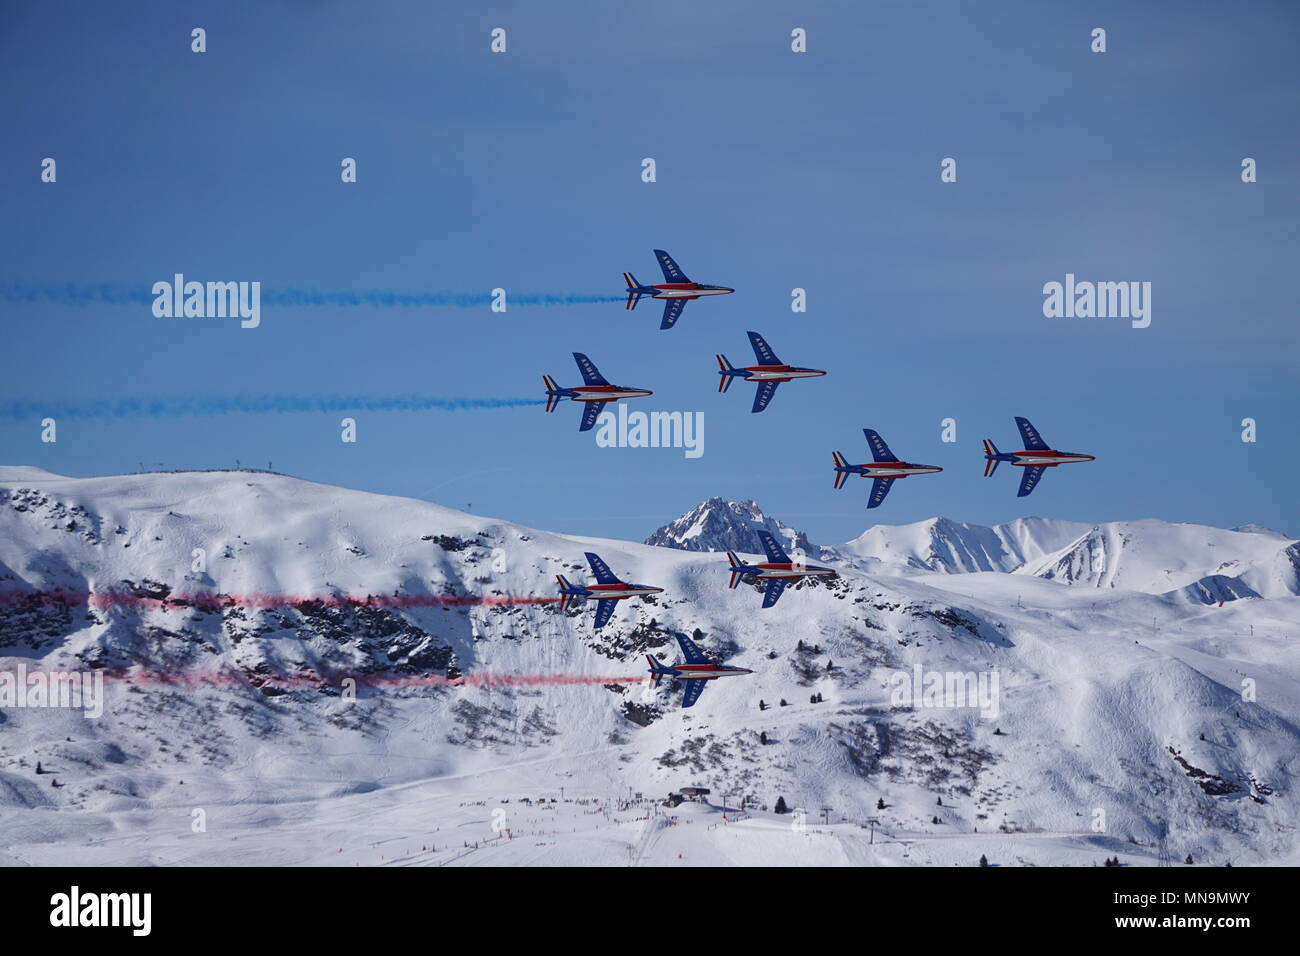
column 608, row 590
column 595, row 392
column 767, row 374
column 694, row 672
column 676, row 289
column 776, row 572
column 1036, row 457
column 885, row 468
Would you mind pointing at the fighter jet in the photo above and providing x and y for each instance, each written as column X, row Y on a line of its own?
column 606, row 592
column 884, row 468
column 1036, row 457
column 778, row 571
column 768, row 373
column 695, row 671
column 676, row 289
column 595, row 392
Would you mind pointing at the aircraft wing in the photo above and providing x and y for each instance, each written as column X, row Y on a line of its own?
column 763, row 395
column 604, row 611
column 1033, row 440
column 694, row 688
column 672, row 273
column 672, row 312
column 1029, row 480
column 599, row 568
column 590, row 412
column 590, row 374
column 775, row 588
column 879, row 488
column 762, row 351
column 690, row 650
column 775, row 553
column 879, row 450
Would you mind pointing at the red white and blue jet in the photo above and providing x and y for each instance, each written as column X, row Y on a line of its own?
column 768, row 373
column 1035, row 459
column 606, row 592
column 595, row 392
column 884, row 468
column 777, row 571
column 676, row 289
column 697, row 669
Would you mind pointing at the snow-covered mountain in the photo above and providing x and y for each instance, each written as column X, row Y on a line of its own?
column 719, row 525
column 1159, row 557
column 275, row 652
column 957, row 547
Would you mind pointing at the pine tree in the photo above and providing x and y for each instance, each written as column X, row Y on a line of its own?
column 880, row 804
column 762, row 738
column 1189, row 861
column 780, row 805
column 984, row 860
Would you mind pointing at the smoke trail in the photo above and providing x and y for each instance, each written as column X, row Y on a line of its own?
column 110, row 293
column 146, row 677
column 197, row 405
column 216, row 601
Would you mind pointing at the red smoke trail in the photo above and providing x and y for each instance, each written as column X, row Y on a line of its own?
column 216, row 601
column 143, row 677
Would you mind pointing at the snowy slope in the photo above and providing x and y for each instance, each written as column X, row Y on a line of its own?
column 956, row 547
column 1156, row 557
column 1109, row 700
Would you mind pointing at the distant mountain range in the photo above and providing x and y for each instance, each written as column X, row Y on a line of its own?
column 1190, row 561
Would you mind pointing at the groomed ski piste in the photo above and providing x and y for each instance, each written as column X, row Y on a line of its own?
column 1136, row 717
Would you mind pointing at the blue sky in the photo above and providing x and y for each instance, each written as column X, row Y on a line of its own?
column 775, row 170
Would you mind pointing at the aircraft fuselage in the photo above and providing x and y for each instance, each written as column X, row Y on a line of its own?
column 686, row 290
column 706, row 671
column 1046, row 459
column 785, row 570
column 891, row 469
column 605, row 393
column 616, row 592
column 779, row 373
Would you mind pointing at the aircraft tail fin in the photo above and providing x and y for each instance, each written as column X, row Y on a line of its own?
column 656, row 670
column 565, row 597
column 633, row 297
column 735, row 563
column 723, row 368
column 990, row 464
column 551, row 399
column 840, row 476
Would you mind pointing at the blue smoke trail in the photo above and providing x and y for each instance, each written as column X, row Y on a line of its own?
column 116, row 408
column 109, row 293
